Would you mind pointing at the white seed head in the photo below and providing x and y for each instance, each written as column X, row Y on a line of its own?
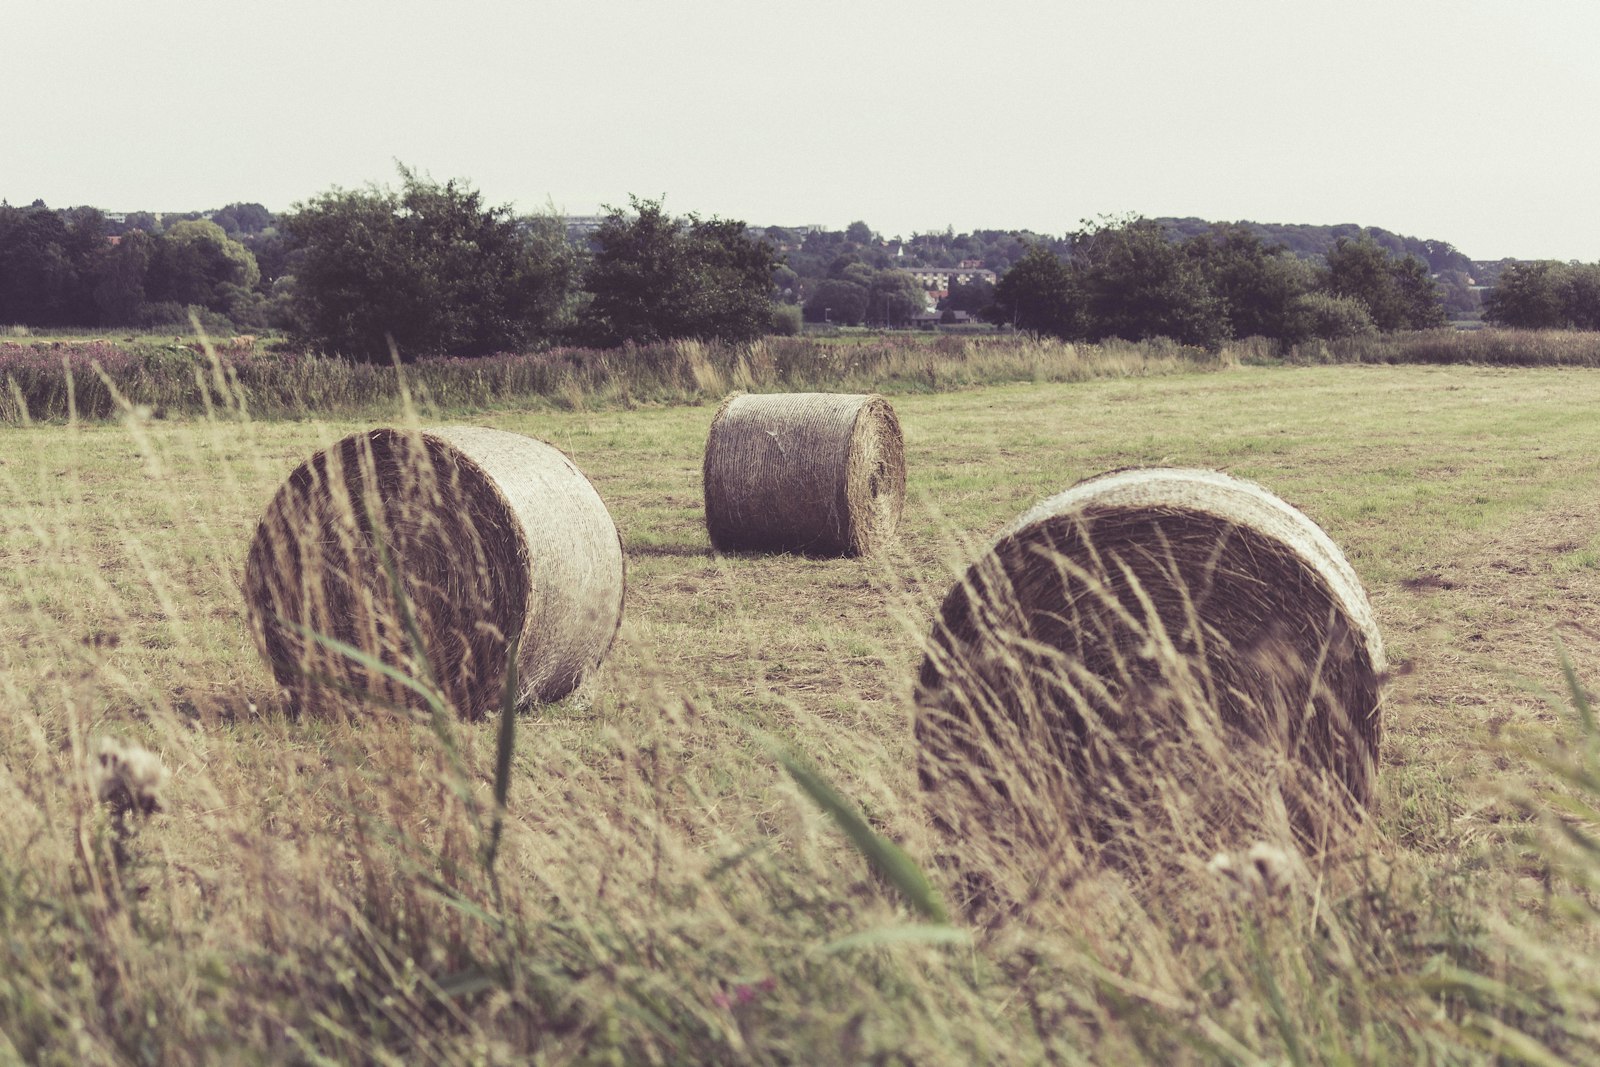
column 128, row 777
column 1275, row 867
column 1259, row 872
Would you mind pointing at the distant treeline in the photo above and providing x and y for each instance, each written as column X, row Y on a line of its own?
column 811, row 251
column 81, row 268
column 428, row 269
column 815, row 256
column 1131, row 279
column 1545, row 295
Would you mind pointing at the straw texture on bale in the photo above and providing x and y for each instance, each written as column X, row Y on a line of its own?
column 1097, row 624
column 819, row 473
column 494, row 536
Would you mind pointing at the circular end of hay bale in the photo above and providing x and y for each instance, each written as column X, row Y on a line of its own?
column 1133, row 607
column 493, row 537
column 818, row 473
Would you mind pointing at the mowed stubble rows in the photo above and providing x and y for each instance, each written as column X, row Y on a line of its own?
column 1463, row 497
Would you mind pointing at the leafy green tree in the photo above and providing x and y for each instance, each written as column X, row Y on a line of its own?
column 1545, row 295
column 141, row 220
column 1396, row 290
column 859, row 273
column 786, row 320
column 858, row 232
column 49, row 261
column 1443, row 256
column 1456, row 293
column 119, row 288
column 894, row 297
column 1322, row 314
column 837, row 300
column 194, row 260
column 1527, row 296
column 428, row 266
column 1038, row 295
column 272, row 252
column 1580, row 295
column 999, row 251
column 785, row 283
column 975, row 297
column 1418, row 294
column 655, row 278
column 1135, row 283
column 238, row 219
column 1258, row 284
column 842, row 266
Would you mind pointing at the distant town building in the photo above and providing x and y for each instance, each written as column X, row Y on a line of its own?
column 942, row 277
column 583, row 225
column 932, row 320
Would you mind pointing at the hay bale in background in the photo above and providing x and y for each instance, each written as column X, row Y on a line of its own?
column 495, row 536
column 821, row 473
column 1134, row 632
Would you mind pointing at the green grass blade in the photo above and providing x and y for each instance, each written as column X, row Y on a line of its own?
column 505, row 745
column 884, row 855
column 924, row 934
column 1477, row 988
column 466, row 982
column 451, row 899
column 1511, row 1045
column 1283, row 1019
column 1580, row 698
column 508, row 725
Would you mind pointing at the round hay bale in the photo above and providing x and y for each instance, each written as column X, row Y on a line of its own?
column 819, row 473
column 494, row 536
column 1137, row 632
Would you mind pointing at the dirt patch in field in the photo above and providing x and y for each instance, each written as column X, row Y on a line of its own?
column 1477, row 643
column 1427, row 581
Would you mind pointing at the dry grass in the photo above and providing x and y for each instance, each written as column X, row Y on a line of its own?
column 1493, row 347
column 656, row 889
column 92, row 377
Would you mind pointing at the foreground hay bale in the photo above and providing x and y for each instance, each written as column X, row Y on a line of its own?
column 494, row 536
column 1153, row 661
column 820, row 473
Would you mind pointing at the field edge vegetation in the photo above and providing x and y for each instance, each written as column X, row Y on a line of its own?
column 56, row 380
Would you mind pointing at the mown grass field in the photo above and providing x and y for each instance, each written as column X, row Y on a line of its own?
column 312, row 891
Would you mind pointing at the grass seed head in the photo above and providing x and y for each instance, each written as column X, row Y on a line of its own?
column 128, row 777
column 1260, row 872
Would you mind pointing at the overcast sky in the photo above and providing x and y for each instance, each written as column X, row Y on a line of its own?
column 1471, row 121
